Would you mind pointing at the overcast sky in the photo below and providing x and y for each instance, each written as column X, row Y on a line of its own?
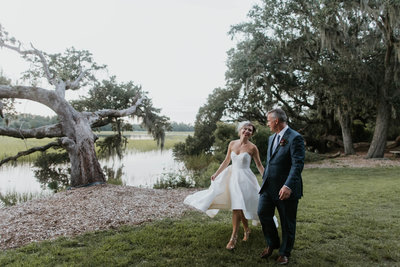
column 175, row 49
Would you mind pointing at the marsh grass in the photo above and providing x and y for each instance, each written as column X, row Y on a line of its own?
column 171, row 138
column 347, row 217
column 11, row 146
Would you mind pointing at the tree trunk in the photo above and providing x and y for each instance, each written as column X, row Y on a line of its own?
column 85, row 167
column 378, row 144
column 345, row 124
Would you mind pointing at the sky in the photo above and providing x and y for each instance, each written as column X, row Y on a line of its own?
column 175, row 49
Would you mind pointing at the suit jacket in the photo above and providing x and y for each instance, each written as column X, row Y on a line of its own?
column 284, row 165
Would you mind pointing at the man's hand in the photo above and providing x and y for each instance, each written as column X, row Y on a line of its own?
column 285, row 192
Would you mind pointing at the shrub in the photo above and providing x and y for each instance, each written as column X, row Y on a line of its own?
column 179, row 150
column 172, row 179
column 224, row 134
column 360, row 132
column 203, row 179
column 198, row 163
column 260, row 139
column 112, row 176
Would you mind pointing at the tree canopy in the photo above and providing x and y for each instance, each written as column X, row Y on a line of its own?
column 330, row 65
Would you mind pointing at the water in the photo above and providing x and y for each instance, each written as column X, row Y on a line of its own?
column 19, row 178
column 139, row 169
column 143, row 168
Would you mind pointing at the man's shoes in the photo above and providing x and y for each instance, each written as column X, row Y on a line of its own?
column 266, row 252
column 282, row 260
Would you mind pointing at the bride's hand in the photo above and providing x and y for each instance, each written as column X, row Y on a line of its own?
column 213, row 177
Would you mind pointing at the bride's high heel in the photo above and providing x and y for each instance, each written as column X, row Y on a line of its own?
column 232, row 243
column 246, row 234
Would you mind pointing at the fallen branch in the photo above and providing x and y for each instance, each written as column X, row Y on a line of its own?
column 361, row 145
column 334, row 155
column 395, row 144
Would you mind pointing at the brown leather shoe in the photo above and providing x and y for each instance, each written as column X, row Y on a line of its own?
column 266, row 252
column 282, row 260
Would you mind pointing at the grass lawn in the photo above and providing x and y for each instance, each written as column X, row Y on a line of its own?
column 347, row 217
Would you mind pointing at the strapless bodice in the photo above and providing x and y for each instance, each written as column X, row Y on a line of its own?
column 241, row 161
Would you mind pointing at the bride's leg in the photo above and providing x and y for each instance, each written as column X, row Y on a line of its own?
column 235, row 227
column 245, row 226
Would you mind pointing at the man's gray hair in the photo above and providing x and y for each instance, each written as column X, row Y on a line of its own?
column 278, row 114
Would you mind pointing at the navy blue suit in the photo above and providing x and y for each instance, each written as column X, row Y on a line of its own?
column 283, row 167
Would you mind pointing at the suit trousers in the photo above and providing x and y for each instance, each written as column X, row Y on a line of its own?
column 287, row 210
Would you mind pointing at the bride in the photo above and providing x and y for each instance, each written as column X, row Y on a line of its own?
column 234, row 187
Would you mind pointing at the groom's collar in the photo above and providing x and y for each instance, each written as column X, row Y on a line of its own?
column 283, row 131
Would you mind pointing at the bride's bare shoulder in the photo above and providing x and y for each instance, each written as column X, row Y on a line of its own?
column 234, row 142
column 253, row 147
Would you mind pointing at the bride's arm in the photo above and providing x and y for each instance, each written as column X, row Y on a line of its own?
column 256, row 158
column 225, row 163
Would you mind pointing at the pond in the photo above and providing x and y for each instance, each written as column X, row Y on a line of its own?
column 139, row 169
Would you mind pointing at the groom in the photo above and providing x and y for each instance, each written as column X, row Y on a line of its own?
column 282, row 186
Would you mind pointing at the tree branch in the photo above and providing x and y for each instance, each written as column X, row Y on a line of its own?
column 40, row 132
column 46, row 69
column 34, row 52
column 96, row 116
column 40, row 95
column 75, row 84
column 289, row 109
column 101, row 122
column 30, row 151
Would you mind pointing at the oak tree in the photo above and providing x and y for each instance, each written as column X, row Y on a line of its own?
column 72, row 70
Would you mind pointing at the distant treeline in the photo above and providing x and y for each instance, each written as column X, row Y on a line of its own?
column 29, row 121
column 182, row 127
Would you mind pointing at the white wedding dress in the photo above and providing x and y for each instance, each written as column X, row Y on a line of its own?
column 235, row 188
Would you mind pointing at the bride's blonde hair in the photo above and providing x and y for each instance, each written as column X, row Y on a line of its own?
column 245, row 123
